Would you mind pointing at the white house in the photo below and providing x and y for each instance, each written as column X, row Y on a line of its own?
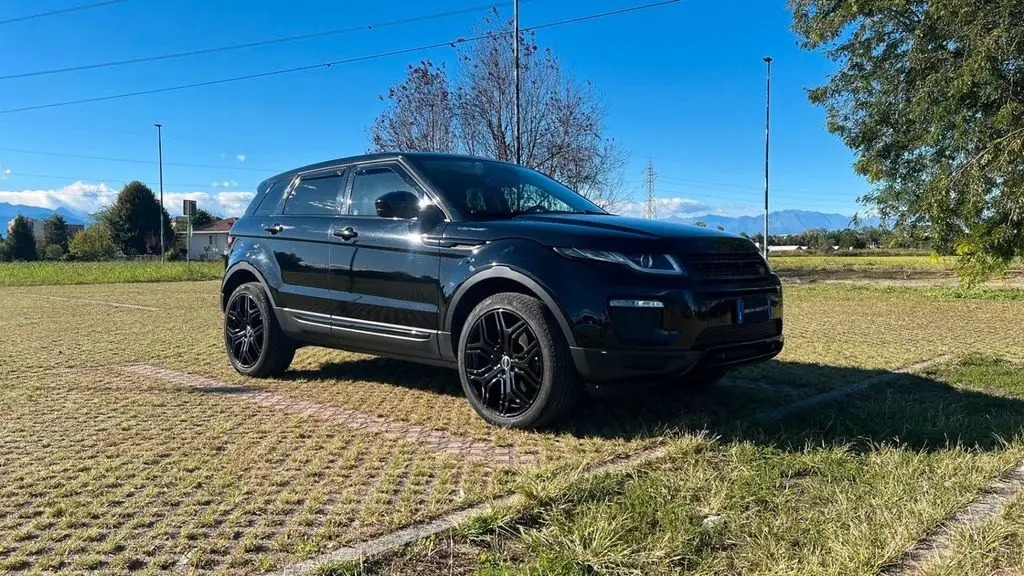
column 210, row 242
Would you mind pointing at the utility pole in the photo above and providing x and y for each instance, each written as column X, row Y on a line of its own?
column 651, row 205
column 160, row 156
column 515, row 57
column 767, row 148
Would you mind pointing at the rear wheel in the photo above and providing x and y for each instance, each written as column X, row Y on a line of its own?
column 254, row 341
column 514, row 364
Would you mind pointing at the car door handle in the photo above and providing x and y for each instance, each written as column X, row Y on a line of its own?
column 346, row 233
column 274, row 229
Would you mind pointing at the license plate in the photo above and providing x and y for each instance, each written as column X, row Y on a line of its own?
column 753, row 310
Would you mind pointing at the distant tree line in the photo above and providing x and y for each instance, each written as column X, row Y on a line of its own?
column 130, row 227
column 821, row 240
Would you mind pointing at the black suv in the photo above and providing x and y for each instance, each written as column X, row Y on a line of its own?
column 523, row 285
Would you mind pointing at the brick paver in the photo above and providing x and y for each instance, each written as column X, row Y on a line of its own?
column 437, row 440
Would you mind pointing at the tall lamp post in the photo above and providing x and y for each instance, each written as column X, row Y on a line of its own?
column 515, row 58
column 767, row 148
column 160, row 155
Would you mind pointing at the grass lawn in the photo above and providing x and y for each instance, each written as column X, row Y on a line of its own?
column 103, row 470
column 825, row 262
column 56, row 273
column 840, row 490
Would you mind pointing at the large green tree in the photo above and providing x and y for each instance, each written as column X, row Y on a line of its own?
column 21, row 243
column 930, row 96
column 202, row 218
column 55, row 232
column 134, row 221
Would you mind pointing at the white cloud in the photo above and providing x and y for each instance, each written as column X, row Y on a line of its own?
column 240, row 157
column 87, row 198
column 223, row 204
column 224, row 184
column 669, row 207
column 80, row 197
column 5, row 173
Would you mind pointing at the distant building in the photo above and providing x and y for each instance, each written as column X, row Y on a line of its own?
column 210, row 242
column 38, row 224
column 179, row 223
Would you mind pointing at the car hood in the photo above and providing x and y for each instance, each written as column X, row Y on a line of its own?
column 604, row 231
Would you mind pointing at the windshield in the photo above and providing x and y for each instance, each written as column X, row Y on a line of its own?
column 483, row 189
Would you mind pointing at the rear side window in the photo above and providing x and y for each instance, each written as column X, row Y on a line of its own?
column 316, row 196
column 269, row 201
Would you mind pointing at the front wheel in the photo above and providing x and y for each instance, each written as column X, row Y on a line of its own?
column 255, row 344
column 514, row 364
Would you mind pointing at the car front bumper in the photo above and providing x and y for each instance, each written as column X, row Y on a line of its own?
column 598, row 365
column 696, row 326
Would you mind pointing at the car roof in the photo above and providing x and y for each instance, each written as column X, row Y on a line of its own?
column 288, row 174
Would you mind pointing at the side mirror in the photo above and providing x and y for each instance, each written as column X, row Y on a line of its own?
column 399, row 204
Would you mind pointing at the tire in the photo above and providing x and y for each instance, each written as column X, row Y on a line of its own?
column 530, row 360
column 263, row 350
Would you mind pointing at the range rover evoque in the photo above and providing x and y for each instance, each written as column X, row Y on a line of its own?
column 525, row 287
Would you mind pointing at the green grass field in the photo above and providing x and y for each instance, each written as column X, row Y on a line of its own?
column 57, row 273
column 822, row 262
column 106, row 471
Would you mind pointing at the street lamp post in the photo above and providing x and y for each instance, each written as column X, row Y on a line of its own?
column 767, row 147
column 515, row 57
column 160, row 156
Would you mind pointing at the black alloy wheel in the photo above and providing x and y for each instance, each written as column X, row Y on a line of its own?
column 504, row 363
column 245, row 330
column 255, row 343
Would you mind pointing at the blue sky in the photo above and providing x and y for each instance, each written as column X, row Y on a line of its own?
column 683, row 85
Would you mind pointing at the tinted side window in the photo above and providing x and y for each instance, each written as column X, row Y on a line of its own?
column 317, row 196
column 372, row 183
column 271, row 199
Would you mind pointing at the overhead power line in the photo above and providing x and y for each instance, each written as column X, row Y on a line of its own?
column 256, row 44
column 135, row 161
column 194, row 187
column 376, row 56
column 61, row 11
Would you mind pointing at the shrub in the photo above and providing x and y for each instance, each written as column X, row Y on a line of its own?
column 53, row 252
column 93, row 243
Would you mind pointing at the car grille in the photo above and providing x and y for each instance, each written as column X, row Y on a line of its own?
column 725, row 266
column 737, row 334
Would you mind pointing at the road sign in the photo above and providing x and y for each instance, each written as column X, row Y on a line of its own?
column 188, row 207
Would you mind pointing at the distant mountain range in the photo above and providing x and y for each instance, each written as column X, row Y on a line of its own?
column 782, row 222
column 10, row 211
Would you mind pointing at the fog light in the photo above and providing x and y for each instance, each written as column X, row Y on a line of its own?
column 637, row 304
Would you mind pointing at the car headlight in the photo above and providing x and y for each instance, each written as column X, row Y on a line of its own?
column 639, row 261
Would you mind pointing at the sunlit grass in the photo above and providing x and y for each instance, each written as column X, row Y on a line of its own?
column 841, row 489
column 824, row 262
column 56, row 273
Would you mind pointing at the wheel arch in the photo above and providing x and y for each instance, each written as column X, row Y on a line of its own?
column 493, row 281
column 241, row 273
